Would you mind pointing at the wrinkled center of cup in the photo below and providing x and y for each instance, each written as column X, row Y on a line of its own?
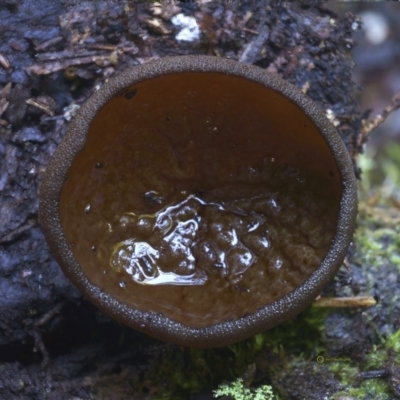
column 200, row 196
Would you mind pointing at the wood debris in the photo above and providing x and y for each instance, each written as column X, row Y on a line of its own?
column 55, row 66
column 4, row 62
column 253, row 49
column 43, row 103
column 165, row 9
column 48, row 43
column 370, row 126
column 341, row 302
column 4, row 98
column 246, row 19
column 158, row 26
column 18, row 231
column 102, row 55
column 3, row 106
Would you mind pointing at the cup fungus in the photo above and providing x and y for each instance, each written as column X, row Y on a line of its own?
column 199, row 200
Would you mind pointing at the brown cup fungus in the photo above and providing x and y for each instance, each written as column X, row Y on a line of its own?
column 199, row 200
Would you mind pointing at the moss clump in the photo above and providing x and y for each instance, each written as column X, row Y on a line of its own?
column 378, row 233
column 376, row 389
column 377, row 241
column 381, row 172
column 238, row 392
column 176, row 373
column 380, row 358
column 377, row 260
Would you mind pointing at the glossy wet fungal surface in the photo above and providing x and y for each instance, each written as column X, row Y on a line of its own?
column 199, row 200
column 174, row 208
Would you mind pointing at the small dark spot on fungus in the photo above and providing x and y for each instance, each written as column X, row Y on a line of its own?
column 242, row 288
column 205, row 239
column 130, row 94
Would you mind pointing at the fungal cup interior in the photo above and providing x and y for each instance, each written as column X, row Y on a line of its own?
column 201, row 196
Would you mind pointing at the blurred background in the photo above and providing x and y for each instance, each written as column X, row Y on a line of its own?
column 377, row 73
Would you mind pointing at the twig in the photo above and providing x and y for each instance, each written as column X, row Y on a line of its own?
column 246, row 19
column 3, row 106
column 66, row 54
column 368, row 127
column 33, row 329
column 339, row 302
column 44, row 45
column 4, row 62
column 40, row 106
column 109, row 47
column 39, row 345
column 48, row 68
column 251, row 31
column 28, row 224
column 5, row 92
column 253, row 49
column 50, row 314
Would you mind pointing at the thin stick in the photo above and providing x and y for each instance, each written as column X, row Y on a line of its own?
column 368, row 127
column 339, row 302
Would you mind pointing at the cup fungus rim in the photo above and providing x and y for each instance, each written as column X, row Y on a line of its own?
column 158, row 325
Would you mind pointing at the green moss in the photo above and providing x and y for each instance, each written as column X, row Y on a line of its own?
column 378, row 233
column 391, row 163
column 372, row 388
column 238, row 392
column 301, row 335
column 380, row 170
column 393, row 343
column 348, row 372
column 345, row 371
column 377, row 246
column 380, row 353
column 177, row 372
